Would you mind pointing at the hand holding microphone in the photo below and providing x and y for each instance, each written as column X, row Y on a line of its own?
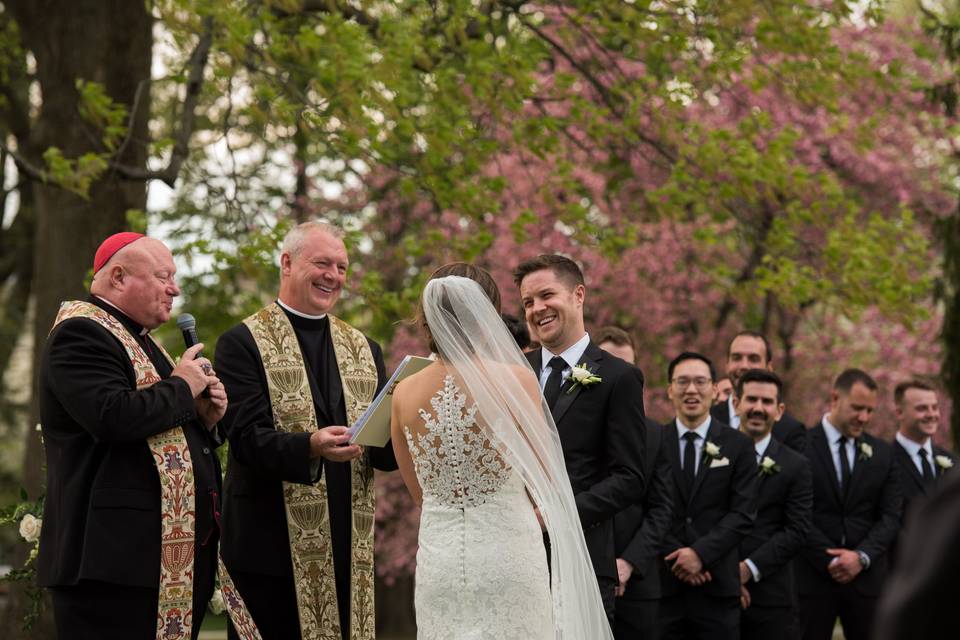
column 193, row 367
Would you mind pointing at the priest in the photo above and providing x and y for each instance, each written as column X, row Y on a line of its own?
column 298, row 502
column 129, row 537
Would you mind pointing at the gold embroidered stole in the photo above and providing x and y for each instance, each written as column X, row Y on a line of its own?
column 308, row 522
column 177, row 498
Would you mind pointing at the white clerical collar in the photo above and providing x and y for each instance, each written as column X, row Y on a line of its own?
column 833, row 434
column 701, row 430
column 300, row 313
column 571, row 356
column 913, row 448
column 143, row 330
column 761, row 445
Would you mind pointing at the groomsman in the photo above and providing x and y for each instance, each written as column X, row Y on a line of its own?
column 921, row 463
column 618, row 342
column 856, row 514
column 784, row 510
column 600, row 423
column 752, row 350
column 715, row 469
column 639, row 532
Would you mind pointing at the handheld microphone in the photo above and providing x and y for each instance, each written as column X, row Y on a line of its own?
column 188, row 327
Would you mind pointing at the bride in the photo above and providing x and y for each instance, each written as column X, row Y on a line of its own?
column 478, row 450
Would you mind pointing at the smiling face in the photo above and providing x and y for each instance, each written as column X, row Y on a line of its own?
column 919, row 414
column 758, row 409
column 554, row 308
column 692, row 391
column 746, row 352
column 312, row 278
column 850, row 411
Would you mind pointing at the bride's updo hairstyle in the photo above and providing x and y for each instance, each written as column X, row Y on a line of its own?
column 465, row 270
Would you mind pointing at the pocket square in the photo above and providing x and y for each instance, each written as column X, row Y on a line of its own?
column 719, row 462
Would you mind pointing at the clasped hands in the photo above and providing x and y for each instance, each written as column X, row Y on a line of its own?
column 845, row 565
column 688, row 567
column 200, row 376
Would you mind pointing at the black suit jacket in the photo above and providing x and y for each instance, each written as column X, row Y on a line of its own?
column 784, row 512
column 601, row 432
column 718, row 512
column 787, row 429
column 101, row 517
column 255, row 538
column 866, row 518
column 640, row 529
column 911, row 482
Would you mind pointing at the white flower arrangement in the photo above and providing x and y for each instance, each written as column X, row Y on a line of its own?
column 866, row 451
column 711, row 450
column 217, row 605
column 944, row 462
column 582, row 376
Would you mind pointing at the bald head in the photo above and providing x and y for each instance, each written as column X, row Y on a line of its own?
column 139, row 280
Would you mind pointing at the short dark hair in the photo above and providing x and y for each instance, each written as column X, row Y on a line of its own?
column 518, row 329
column 901, row 389
column 465, row 270
column 850, row 377
column 690, row 355
column 562, row 266
column 616, row 335
column 753, row 334
column 759, row 375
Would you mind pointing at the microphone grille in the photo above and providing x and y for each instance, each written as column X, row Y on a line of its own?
column 186, row 321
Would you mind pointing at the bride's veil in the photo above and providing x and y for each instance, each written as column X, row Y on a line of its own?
column 473, row 341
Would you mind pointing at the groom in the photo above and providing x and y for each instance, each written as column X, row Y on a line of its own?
column 600, row 420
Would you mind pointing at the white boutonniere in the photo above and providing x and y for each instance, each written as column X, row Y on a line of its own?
column 582, row 376
column 866, row 451
column 944, row 462
column 30, row 528
column 769, row 466
column 712, row 453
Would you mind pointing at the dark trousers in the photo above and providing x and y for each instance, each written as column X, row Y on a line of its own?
column 608, row 594
column 93, row 610
column 819, row 613
column 272, row 603
column 766, row 623
column 693, row 615
column 636, row 619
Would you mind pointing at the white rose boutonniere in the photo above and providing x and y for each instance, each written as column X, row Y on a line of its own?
column 583, row 377
column 944, row 462
column 30, row 528
column 769, row 466
column 866, row 451
column 711, row 450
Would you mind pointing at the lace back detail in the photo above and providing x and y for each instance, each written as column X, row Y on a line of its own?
column 456, row 462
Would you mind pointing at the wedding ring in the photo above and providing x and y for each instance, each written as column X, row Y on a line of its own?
column 207, row 369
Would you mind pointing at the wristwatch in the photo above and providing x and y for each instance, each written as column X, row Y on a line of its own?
column 864, row 560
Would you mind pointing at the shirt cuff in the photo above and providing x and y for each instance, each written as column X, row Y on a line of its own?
column 753, row 569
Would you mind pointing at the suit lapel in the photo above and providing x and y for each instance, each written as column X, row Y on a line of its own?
column 912, row 472
column 822, row 447
column 568, row 393
column 672, row 443
column 773, row 449
column 714, row 435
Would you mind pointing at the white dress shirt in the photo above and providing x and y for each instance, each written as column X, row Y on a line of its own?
column 698, row 443
column 913, row 450
column 572, row 356
column 734, row 418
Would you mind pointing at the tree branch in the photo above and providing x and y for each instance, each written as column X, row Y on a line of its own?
column 181, row 148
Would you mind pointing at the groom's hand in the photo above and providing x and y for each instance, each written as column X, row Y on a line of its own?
column 333, row 443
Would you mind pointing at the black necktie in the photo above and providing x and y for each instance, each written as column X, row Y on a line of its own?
column 551, row 390
column 690, row 458
column 928, row 476
column 844, row 465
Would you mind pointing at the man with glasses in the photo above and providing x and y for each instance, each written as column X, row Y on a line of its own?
column 715, row 470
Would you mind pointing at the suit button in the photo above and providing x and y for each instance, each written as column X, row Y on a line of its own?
column 206, row 451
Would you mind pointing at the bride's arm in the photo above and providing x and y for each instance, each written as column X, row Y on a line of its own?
column 400, row 449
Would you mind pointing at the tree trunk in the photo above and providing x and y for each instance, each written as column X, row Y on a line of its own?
column 950, row 232
column 104, row 41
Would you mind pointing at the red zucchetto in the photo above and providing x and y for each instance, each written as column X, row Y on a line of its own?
column 111, row 245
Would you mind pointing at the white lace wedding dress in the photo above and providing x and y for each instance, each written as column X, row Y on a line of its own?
column 481, row 567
